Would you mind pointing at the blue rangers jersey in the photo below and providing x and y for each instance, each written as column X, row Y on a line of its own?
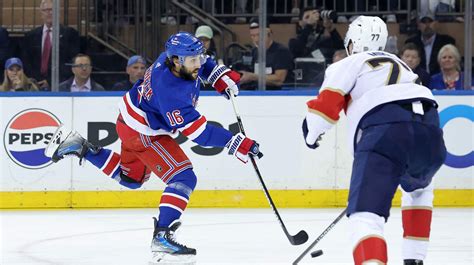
column 163, row 104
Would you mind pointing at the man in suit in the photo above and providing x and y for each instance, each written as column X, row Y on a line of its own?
column 4, row 49
column 429, row 43
column 81, row 81
column 37, row 50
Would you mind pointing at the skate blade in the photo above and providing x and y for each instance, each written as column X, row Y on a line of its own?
column 169, row 259
column 58, row 137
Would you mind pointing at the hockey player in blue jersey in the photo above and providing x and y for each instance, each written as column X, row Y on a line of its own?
column 151, row 114
column 394, row 136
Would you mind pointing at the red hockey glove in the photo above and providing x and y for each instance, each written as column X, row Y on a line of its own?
column 242, row 147
column 224, row 79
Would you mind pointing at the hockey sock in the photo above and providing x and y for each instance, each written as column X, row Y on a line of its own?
column 371, row 249
column 416, row 217
column 175, row 197
column 367, row 238
column 416, row 223
column 105, row 160
column 416, row 232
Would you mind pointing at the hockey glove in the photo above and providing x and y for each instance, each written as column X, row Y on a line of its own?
column 242, row 147
column 228, row 80
column 311, row 138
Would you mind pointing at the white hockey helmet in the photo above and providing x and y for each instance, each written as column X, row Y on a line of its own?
column 366, row 34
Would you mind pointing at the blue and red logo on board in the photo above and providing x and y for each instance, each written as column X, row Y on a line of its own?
column 27, row 135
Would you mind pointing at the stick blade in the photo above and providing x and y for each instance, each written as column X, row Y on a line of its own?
column 299, row 238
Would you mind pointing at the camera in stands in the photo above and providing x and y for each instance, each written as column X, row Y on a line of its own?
column 329, row 14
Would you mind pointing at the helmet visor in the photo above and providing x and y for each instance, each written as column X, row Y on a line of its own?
column 194, row 61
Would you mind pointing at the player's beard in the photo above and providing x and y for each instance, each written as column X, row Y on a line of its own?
column 186, row 74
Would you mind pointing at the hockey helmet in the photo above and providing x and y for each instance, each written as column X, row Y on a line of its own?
column 183, row 44
column 366, row 34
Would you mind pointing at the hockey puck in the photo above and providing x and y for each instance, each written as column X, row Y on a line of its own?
column 316, row 253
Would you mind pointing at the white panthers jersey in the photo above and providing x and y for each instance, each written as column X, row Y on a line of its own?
column 360, row 82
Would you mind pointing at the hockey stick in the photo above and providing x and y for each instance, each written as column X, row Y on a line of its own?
column 323, row 234
column 302, row 236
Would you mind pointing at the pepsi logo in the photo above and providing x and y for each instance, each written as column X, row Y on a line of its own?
column 27, row 135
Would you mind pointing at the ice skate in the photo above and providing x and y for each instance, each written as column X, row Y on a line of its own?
column 165, row 249
column 66, row 142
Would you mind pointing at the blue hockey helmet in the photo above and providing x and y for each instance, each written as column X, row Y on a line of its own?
column 183, row 44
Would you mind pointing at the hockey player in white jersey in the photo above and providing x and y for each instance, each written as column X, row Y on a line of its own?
column 394, row 135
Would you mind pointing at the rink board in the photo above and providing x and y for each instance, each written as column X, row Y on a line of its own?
column 296, row 175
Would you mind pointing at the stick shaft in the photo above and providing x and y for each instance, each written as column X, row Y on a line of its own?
column 323, row 234
column 257, row 171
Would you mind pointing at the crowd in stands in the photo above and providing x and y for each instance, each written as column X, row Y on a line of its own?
column 32, row 72
column 433, row 56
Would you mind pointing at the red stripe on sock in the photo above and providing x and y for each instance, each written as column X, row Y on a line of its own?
column 112, row 164
column 416, row 222
column 174, row 201
column 371, row 248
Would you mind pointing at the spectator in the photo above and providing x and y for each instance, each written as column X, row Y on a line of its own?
column 4, row 47
column 279, row 63
column 15, row 79
column 136, row 67
column 81, row 81
column 410, row 54
column 429, row 42
column 37, row 45
column 451, row 76
column 205, row 34
column 314, row 35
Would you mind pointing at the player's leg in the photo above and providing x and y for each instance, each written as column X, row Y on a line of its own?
column 427, row 155
column 417, row 209
column 375, row 177
column 367, row 238
column 132, row 172
column 173, row 202
column 125, row 168
column 70, row 143
column 166, row 159
column 373, row 184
